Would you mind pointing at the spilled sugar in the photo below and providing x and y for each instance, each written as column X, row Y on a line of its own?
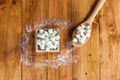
column 62, row 59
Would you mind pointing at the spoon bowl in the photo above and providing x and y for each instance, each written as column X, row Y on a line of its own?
column 78, row 44
column 88, row 22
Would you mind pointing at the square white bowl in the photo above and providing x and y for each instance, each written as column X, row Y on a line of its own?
column 40, row 50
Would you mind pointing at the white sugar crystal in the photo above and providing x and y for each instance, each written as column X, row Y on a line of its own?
column 47, row 49
column 52, row 38
column 57, row 37
column 88, row 27
column 55, row 32
column 38, row 35
column 82, row 31
column 55, row 47
column 82, row 34
column 43, row 42
column 51, row 46
column 41, row 36
column 38, row 42
column 42, row 47
column 51, row 35
column 82, row 40
column 75, row 40
column 46, row 33
column 46, row 39
column 50, row 30
column 78, row 36
column 41, row 31
column 55, row 42
column 83, row 26
column 88, row 35
column 89, row 31
column 48, row 43
column 79, row 27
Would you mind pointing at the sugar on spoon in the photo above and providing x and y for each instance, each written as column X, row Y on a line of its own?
column 82, row 33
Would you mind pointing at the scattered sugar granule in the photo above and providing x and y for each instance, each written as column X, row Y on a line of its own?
column 75, row 40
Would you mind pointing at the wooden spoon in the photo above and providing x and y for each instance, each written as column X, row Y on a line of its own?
column 89, row 21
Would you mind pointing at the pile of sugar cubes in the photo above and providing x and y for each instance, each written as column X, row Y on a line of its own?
column 82, row 34
column 47, row 40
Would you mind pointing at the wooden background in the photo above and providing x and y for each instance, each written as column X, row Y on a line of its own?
column 99, row 58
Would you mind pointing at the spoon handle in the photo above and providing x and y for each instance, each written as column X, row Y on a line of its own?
column 95, row 11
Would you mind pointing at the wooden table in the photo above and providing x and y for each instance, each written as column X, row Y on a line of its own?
column 99, row 57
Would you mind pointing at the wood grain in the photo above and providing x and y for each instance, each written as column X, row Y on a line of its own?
column 10, row 32
column 99, row 58
column 110, row 40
